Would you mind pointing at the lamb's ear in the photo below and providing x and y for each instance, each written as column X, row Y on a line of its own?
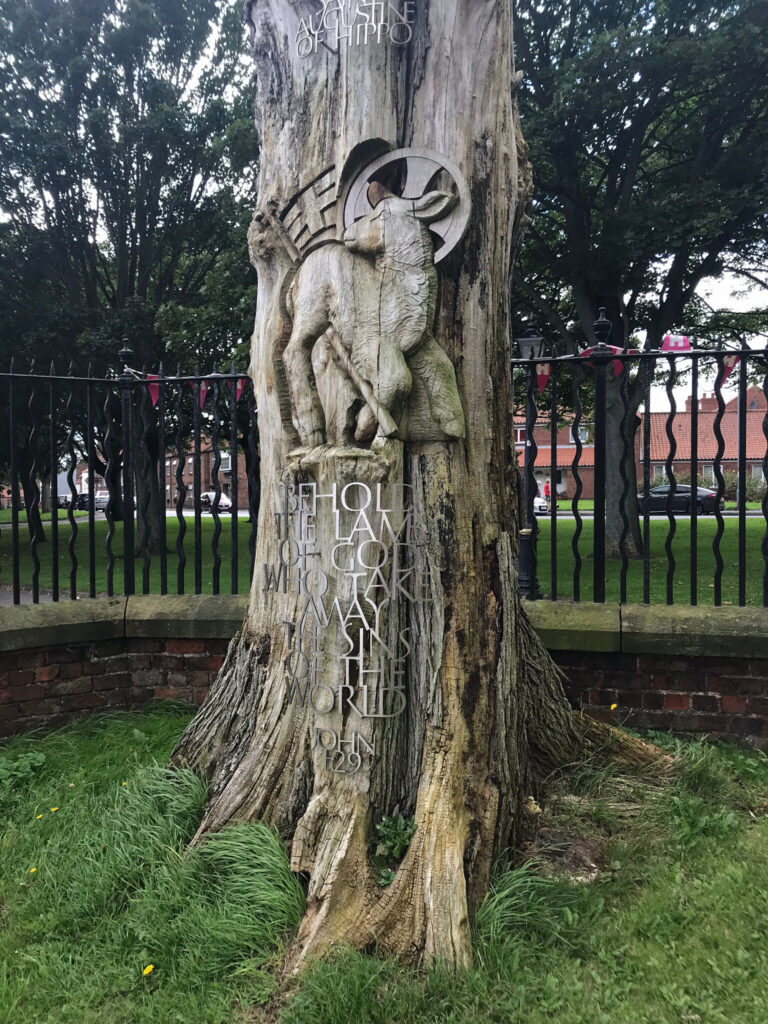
column 377, row 192
column 434, row 206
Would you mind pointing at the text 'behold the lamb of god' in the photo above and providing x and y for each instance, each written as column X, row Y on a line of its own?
column 347, row 636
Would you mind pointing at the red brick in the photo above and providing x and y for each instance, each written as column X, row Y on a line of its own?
column 39, row 708
column 733, row 705
column 206, row 663
column 173, row 694
column 729, row 666
column 201, row 694
column 113, row 681
column 705, row 702
column 715, row 683
column 169, row 662
column 72, row 670
column 222, row 646
column 662, row 663
column 745, row 725
column 185, row 646
column 67, row 686
column 93, row 668
column 80, row 701
column 45, row 673
column 9, row 712
column 684, row 682
column 653, row 700
column 677, row 701
column 20, row 677
column 11, row 694
column 118, row 663
column 141, row 645
column 757, row 705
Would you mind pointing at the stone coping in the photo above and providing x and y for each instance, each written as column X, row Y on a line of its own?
column 651, row 629
column 25, row 627
column 562, row 625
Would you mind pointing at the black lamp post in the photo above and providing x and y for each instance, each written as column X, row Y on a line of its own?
column 532, row 346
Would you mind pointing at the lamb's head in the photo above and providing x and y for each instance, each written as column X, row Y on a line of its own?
column 398, row 227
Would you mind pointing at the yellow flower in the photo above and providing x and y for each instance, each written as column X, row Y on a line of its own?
column 32, row 871
column 148, row 969
column 123, row 783
column 54, row 809
column 614, row 706
column 38, row 816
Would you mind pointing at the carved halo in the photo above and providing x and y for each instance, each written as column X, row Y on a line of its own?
column 421, row 167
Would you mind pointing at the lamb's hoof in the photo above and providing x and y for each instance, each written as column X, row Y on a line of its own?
column 366, row 425
column 453, row 428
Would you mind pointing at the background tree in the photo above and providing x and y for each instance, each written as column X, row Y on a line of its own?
column 647, row 133
column 127, row 177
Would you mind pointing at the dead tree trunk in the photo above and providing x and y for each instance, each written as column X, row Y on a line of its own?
column 386, row 663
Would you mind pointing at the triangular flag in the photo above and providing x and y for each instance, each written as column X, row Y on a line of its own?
column 729, row 365
column 154, row 389
column 239, row 388
column 675, row 343
column 203, row 390
column 543, row 373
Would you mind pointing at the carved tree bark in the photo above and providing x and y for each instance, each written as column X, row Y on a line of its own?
column 485, row 717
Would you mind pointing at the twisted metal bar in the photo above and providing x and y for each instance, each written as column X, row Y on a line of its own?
column 577, row 409
column 765, row 495
column 53, row 460
column 181, row 489
column 669, row 469
column 720, row 530
column 73, row 528
column 215, row 466
column 35, row 491
column 108, row 449
column 625, row 448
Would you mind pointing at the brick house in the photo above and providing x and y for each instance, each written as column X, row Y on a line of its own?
column 681, row 430
column 565, row 482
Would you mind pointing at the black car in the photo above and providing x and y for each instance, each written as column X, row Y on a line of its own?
column 706, row 500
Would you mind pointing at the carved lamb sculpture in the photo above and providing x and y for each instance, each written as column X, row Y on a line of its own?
column 371, row 301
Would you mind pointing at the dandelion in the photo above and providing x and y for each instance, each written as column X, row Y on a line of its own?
column 148, row 969
column 614, row 706
column 38, row 816
column 71, row 785
column 123, row 783
column 32, row 871
column 54, row 809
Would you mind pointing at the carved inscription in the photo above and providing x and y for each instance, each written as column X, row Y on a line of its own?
column 350, row 23
column 345, row 658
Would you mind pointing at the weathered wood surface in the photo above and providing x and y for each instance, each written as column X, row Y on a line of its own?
column 486, row 717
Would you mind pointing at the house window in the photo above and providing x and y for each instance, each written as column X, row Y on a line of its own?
column 519, row 435
column 708, row 471
column 753, row 405
column 583, row 435
column 657, row 471
column 757, row 471
column 226, row 463
column 190, row 462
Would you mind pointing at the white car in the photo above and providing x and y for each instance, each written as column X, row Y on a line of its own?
column 208, row 498
column 540, row 506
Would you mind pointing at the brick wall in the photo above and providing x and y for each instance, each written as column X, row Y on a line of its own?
column 53, row 685
column 716, row 695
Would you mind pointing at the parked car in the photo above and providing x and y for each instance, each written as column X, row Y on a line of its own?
column 207, row 499
column 100, row 501
column 540, row 505
column 706, row 499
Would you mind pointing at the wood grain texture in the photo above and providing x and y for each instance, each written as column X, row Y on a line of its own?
column 486, row 718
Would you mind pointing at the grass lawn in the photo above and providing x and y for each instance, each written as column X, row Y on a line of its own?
column 6, row 516
column 94, row 889
column 100, row 531
column 681, row 551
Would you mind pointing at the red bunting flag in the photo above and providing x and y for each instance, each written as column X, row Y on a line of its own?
column 543, row 373
column 203, row 390
column 675, row 343
column 729, row 365
column 154, row 389
column 618, row 364
column 239, row 388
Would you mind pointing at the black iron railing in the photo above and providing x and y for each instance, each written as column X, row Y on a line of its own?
column 137, row 434
column 696, row 546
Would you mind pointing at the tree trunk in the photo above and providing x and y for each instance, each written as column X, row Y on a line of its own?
column 452, row 711
column 150, row 504
column 621, row 427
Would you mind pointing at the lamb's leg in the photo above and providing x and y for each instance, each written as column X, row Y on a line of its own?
column 390, row 381
column 306, row 410
column 435, row 371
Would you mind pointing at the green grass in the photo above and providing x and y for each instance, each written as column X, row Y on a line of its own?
column 113, row 889
column 100, row 530
column 674, row 929
column 6, row 516
column 658, row 575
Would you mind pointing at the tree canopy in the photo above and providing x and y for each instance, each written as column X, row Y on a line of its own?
column 649, row 143
column 126, row 180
